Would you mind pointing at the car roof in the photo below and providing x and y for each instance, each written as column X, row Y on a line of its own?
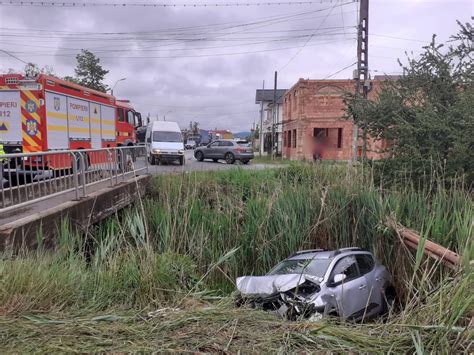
column 324, row 254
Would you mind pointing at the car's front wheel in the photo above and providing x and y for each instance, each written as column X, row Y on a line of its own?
column 229, row 158
column 199, row 156
column 151, row 159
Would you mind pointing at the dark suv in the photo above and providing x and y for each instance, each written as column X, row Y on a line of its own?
column 228, row 150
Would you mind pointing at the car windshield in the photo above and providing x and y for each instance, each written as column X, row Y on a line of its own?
column 314, row 267
column 162, row 136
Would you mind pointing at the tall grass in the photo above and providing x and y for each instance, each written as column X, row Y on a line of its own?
column 171, row 246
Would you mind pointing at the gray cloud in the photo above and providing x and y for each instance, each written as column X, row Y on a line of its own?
column 219, row 91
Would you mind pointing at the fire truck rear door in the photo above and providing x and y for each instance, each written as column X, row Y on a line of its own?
column 10, row 117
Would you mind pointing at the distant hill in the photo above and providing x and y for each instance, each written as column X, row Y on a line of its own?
column 241, row 135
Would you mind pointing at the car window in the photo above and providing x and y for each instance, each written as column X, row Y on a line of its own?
column 243, row 143
column 226, row 144
column 314, row 267
column 346, row 266
column 215, row 144
column 366, row 263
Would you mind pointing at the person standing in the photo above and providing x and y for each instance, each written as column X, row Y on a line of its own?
column 318, row 150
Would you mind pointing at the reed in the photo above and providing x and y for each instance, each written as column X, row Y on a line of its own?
column 184, row 244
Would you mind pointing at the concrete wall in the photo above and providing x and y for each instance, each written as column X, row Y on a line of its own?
column 24, row 232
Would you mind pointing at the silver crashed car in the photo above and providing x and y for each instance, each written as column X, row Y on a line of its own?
column 347, row 283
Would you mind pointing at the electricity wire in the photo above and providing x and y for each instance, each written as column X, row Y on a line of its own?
column 308, row 40
column 156, row 5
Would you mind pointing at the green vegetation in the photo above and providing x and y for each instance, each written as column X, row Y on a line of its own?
column 89, row 72
column 426, row 115
column 266, row 159
column 159, row 276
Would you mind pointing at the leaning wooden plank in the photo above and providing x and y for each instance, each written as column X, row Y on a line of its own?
column 412, row 239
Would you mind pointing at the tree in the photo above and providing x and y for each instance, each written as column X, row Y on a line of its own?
column 71, row 79
column 32, row 70
column 426, row 115
column 194, row 127
column 89, row 72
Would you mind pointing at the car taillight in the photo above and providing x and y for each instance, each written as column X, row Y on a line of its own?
column 240, row 149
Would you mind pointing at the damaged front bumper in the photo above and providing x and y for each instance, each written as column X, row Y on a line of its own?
column 285, row 306
column 291, row 297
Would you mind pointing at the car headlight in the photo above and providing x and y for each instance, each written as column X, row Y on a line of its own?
column 156, row 151
column 180, row 151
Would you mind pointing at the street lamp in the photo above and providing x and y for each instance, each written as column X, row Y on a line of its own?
column 113, row 87
column 164, row 116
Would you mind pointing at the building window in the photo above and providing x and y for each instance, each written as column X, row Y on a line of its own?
column 269, row 115
column 284, row 138
column 294, row 138
column 339, row 138
column 319, row 133
column 289, row 138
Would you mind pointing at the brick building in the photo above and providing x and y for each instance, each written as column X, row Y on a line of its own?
column 313, row 111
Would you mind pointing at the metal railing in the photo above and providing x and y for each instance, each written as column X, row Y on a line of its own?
column 27, row 178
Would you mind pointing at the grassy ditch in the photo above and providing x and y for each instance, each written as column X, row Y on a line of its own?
column 179, row 250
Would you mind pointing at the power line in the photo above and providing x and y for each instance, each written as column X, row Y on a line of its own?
column 11, row 55
column 309, row 39
column 340, row 70
column 89, row 36
column 147, row 50
column 180, row 29
column 155, row 5
column 400, row 38
column 194, row 56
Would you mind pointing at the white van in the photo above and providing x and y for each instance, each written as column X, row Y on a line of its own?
column 164, row 142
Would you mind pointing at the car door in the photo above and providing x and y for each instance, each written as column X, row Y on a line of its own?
column 224, row 147
column 211, row 150
column 351, row 293
column 366, row 265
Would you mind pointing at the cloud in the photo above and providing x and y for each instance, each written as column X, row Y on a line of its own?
column 170, row 68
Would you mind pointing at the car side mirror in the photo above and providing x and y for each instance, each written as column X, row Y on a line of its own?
column 339, row 278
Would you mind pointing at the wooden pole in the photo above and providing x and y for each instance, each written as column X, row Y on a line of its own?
column 412, row 239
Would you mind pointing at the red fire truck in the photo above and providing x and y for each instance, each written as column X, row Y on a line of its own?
column 49, row 114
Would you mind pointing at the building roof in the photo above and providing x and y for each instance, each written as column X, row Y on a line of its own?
column 267, row 95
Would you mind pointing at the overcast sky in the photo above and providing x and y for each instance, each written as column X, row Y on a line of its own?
column 205, row 63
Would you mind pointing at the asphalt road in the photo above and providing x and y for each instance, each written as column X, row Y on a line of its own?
column 192, row 164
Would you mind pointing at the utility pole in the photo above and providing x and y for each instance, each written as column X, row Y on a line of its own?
column 362, row 77
column 260, row 132
column 274, row 114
